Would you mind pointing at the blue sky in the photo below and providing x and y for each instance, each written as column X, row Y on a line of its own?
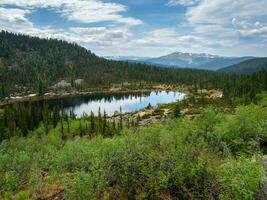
column 144, row 27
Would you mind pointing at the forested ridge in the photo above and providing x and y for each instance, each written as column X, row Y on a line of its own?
column 30, row 64
column 247, row 67
column 44, row 61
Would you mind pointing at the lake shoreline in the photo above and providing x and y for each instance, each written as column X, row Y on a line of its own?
column 52, row 95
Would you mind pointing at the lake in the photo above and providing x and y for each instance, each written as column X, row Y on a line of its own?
column 113, row 102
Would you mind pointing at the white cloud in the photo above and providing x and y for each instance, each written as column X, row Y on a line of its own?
column 216, row 27
column 33, row 3
column 101, row 37
column 14, row 20
column 96, row 11
column 101, row 40
column 246, row 29
column 84, row 11
column 183, row 2
column 223, row 11
column 14, row 16
column 109, row 40
column 167, row 37
column 115, row 32
column 112, row 40
column 169, row 40
column 226, row 25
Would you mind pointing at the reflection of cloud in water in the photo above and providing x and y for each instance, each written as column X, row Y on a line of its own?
column 109, row 107
column 127, row 104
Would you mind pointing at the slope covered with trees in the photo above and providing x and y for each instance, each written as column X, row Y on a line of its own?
column 247, row 67
column 37, row 63
column 30, row 64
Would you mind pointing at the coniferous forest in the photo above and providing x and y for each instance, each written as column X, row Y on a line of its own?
column 206, row 148
column 31, row 64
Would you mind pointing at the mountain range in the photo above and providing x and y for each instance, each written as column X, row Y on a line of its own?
column 187, row 60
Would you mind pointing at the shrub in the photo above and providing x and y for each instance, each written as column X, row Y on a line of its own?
column 245, row 131
column 240, row 179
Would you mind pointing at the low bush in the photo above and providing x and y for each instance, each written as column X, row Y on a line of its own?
column 214, row 156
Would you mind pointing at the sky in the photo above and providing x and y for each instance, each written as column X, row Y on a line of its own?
column 146, row 28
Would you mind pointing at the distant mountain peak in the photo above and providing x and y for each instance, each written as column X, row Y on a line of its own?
column 185, row 60
column 126, row 58
column 195, row 55
column 197, row 60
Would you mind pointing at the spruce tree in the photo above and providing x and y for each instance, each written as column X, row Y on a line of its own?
column 177, row 111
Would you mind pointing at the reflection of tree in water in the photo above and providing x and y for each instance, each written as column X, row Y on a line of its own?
column 78, row 100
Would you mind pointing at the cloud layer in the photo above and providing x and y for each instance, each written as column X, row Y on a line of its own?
column 218, row 27
column 85, row 11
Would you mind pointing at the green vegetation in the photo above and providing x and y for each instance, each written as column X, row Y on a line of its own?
column 177, row 111
column 215, row 155
column 247, row 67
column 210, row 148
column 18, row 119
column 262, row 99
column 34, row 65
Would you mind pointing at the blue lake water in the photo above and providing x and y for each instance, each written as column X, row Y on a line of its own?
column 113, row 102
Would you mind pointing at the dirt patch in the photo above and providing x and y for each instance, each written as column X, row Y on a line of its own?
column 51, row 192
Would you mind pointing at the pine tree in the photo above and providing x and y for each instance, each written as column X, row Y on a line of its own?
column 63, row 137
column 114, row 126
column 80, row 129
column 104, row 129
column 138, row 119
column 2, row 92
column 40, row 88
column 177, row 111
column 92, row 123
column 148, row 106
column 99, row 124
column 121, row 119
column 68, row 123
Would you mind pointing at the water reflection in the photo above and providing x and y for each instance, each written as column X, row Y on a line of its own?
column 113, row 102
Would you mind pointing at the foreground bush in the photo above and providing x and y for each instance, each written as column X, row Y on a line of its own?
column 214, row 156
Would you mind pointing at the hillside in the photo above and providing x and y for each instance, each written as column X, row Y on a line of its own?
column 33, row 65
column 30, row 64
column 247, row 67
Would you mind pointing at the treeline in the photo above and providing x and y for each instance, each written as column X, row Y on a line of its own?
column 30, row 64
column 245, row 86
column 19, row 119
